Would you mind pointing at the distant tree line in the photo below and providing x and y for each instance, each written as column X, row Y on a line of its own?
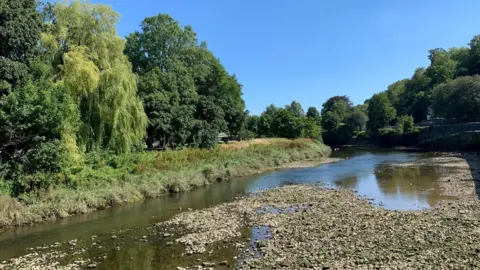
column 449, row 87
column 288, row 122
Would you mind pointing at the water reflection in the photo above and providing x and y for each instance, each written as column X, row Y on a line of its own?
column 349, row 182
column 367, row 172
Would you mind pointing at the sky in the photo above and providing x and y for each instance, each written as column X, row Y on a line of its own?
column 310, row 50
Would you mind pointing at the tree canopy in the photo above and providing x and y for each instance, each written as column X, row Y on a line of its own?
column 189, row 97
column 82, row 42
column 20, row 27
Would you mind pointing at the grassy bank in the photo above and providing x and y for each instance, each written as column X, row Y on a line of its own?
column 105, row 181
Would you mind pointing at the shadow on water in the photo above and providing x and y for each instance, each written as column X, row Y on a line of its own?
column 365, row 171
column 473, row 161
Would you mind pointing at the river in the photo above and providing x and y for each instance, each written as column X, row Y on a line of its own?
column 123, row 237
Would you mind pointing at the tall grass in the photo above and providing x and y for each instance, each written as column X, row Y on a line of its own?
column 106, row 180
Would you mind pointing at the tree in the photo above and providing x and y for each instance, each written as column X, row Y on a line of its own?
column 380, row 112
column 472, row 64
column 286, row 125
column 329, row 105
column 442, row 67
column 179, row 72
column 265, row 128
column 396, row 94
column 357, row 121
column 405, row 124
column 20, row 27
column 296, row 109
column 416, row 98
column 458, row 98
column 252, row 123
column 33, row 121
column 82, row 39
column 314, row 114
column 311, row 129
column 160, row 40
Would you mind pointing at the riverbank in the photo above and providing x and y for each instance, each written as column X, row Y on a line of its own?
column 314, row 227
column 110, row 182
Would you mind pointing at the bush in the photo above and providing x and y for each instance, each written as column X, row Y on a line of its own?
column 405, row 125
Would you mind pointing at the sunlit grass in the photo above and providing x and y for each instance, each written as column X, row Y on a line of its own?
column 106, row 180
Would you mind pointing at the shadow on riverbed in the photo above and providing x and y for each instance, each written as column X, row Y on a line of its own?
column 473, row 161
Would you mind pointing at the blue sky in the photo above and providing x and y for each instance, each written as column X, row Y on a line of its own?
column 310, row 50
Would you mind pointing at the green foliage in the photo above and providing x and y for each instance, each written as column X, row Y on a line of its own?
column 288, row 122
column 380, row 112
column 386, row 131
column 296, row 109
column 335, row 112
column 83, row 40
column 405, row 125
column 357, row 121
column 32, row 120
column 312, row 129
column 458, row 98
column 314, row 114
column 20, row 27
column 188, row 95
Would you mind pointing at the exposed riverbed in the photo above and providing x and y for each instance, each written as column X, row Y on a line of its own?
column 125, row 237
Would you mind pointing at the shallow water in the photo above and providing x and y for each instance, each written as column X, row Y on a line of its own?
column 367, row 172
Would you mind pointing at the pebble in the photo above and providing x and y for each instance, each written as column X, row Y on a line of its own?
column 92, row 265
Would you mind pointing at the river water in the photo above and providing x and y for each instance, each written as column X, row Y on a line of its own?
column 123, row 237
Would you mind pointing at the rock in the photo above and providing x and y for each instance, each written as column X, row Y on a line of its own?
column 168, row 244
column 144, row 237
column 223, row 263
column 180, row 268
column 166, row 235
column 92, row 265
column 208, row 264
column 114, row 237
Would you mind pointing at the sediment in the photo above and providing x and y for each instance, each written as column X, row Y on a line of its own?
column 320, row 228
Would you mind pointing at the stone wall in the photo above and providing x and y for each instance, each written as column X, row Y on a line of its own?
column 434, row 132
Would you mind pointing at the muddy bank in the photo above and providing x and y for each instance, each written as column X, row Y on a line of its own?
column 314, row 227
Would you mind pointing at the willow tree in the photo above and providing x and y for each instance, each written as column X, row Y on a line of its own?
column 82, row 42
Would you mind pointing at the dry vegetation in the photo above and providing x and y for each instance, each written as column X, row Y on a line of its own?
column 110, row 181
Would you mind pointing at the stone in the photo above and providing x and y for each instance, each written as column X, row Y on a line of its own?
column 92, row 265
